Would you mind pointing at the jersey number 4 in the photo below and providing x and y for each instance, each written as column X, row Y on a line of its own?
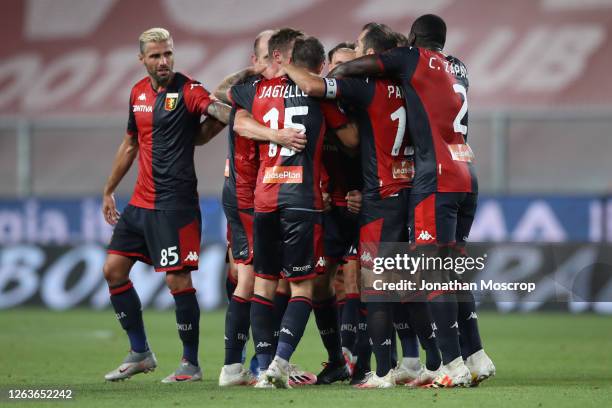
column 272, row 116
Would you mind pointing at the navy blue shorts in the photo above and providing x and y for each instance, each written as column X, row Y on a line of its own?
column 340, row 234
column 167, row 239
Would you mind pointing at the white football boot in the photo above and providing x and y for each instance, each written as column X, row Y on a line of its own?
column 235, row 374
column 278, row 373
column 454, row 374
column 407, row 370
column 481, row 367
column 134, row 363
column 373, row 381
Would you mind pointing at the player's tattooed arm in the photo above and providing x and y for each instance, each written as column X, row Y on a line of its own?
column 245, row 125
column 219, row 111
column 221, row 92
column 210, row 128
column 127, row 152
column 368, row 65
column 311, row 84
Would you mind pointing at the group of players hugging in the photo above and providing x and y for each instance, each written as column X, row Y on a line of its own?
column 318, row 168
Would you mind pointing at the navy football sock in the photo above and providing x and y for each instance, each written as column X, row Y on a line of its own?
column 326, row 316
column 188, row 322
column 444, row 314
column 237, row 322
column 469, row 335
column 293, row 326
column 128, row 311
column 350, row 318
column 262, row 327
column 380, row 331
column 420, row 320
column 363, row 349
column 407, row 336
column 340, row 307
column 281, row 300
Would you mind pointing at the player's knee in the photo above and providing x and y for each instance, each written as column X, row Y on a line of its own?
column 178, row 281
column 303, row 288
column 114, row 274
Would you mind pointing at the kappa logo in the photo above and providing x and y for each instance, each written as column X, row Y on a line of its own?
column 366, row 256
column 286, row 330
column 321, row 262
column 472, row 315
column 263, row 344
column 455, row 325
column 192, row 256
column 387, row 342
column 432, row 335
column 142, row 97
column 425, row 236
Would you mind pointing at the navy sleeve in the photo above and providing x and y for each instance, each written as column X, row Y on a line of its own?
column 132, row 129
column 356, row 91
column 400, row 62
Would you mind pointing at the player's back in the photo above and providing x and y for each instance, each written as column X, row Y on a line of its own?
column 436, row 94
column 287, row 179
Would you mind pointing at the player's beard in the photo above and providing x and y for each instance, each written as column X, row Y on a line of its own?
column 161, row 80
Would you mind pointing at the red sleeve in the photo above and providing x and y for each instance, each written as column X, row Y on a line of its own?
column 333, row 115
column 197, row 98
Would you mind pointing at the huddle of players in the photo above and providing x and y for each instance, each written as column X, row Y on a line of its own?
column 309, row 181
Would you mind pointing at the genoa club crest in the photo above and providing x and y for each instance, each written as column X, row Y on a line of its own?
column 171, row 101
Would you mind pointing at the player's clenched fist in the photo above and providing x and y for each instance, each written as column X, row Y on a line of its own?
column 109, row 209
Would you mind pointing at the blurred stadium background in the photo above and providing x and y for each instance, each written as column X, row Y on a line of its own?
column 540, row 118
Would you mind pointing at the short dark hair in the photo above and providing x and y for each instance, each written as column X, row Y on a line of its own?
column 379, row 37
column 344, row 44
column 429, row 30
column 400, row 39
column 282, row 40
column 308, row 52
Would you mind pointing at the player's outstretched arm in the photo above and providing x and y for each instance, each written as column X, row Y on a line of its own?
column 210, row 128
column 219, row 111
column 368, row 65
column 245, row 125
column 311, row 84
column 221, row 92
column 123, row 161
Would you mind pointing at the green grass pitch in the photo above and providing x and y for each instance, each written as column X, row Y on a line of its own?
column 543, row 360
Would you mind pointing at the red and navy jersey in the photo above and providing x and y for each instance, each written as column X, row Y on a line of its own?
column 380, row 111
column 342, row 172
column 166, row 123
column 436, row 93
column 241, row 166
column 287, row 179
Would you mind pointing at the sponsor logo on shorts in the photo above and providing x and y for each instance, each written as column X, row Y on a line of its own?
column 192, row 256
column 303, row 268
column 425, row 236
column 403, row 169
column 461, row 152
column 283, row 175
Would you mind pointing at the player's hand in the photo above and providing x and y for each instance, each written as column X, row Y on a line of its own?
column 353, row 201
column 291, row 139
column 109, row 209
column 326, row 201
